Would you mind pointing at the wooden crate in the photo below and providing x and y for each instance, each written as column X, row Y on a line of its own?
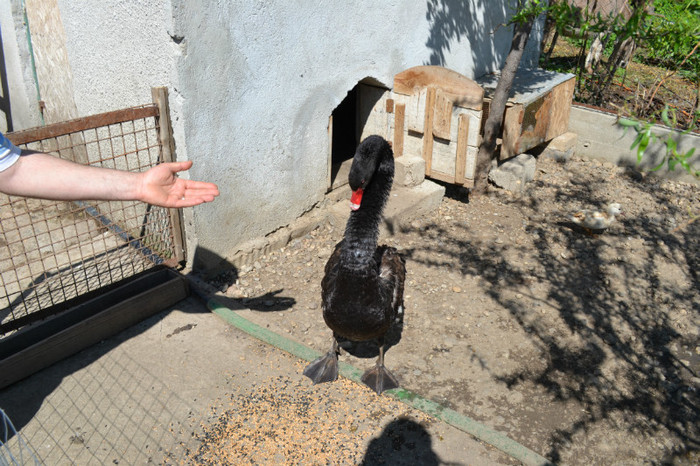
column 438, row 117
column 537, row 110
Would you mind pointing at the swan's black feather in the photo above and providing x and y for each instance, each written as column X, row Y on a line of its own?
column 362, row 288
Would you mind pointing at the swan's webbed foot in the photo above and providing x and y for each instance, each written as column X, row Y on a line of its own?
column 379, row 379
column 325, row 368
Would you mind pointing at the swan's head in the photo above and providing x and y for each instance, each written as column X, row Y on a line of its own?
column 364, row 165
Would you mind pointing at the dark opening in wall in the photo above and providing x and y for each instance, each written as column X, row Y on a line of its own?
column 345, row 133
column 346, row 126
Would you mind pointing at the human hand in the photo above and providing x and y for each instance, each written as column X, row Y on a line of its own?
column 160, row 186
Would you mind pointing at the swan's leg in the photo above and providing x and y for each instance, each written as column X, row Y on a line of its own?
column 379, row 378
column 325, row 368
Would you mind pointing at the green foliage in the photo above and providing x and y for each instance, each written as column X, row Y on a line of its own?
column 674, row 31
column 526, row 10
column 646, row 136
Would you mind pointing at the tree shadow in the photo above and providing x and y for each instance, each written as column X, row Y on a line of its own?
column 614, row 308
column 478, row 26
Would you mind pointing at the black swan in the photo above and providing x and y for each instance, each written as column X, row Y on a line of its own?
column 362, row 289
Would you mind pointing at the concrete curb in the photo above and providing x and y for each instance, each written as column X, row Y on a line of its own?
column 600, row 138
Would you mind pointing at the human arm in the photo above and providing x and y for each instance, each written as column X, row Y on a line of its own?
column 41, row 175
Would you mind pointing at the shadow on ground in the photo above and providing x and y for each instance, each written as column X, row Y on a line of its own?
column 621, row 355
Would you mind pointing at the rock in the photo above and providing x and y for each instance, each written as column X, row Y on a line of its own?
column 514, row 173
column 561, row 148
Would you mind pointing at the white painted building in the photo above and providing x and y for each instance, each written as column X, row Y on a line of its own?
column 252, row 83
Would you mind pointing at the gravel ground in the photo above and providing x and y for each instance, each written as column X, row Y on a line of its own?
column 583, row 348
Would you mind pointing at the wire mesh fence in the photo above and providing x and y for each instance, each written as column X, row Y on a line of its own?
column 14, row 450
column 53, row 252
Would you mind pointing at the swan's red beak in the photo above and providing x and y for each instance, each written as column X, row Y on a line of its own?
column 356, row 199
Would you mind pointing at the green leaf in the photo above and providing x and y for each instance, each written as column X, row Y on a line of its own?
column 664, row 116
column 627, row 123
column 643, row 144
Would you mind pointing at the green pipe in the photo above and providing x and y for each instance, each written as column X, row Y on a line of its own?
column 447, row 415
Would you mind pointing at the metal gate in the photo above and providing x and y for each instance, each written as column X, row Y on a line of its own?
column 55, row 254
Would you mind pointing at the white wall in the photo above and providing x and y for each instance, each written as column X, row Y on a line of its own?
column 253, row 83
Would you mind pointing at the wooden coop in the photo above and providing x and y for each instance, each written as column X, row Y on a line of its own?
column 438, row 114
column 74, row 273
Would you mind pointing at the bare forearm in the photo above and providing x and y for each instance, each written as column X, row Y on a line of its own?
column 41, row 175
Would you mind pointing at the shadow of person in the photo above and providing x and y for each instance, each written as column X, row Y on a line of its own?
column 402, row 442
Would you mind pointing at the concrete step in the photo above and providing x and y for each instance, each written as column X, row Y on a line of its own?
column 406, row 203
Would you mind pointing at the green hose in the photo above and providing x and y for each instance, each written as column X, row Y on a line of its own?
column 449, row 416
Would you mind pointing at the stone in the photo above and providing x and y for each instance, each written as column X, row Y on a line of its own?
column 562, row 147
column 514, row 173
column 409, row 170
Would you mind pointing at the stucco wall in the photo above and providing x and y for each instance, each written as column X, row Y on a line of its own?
column 253, row 83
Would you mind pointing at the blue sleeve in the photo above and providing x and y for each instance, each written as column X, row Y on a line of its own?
column 9, row 153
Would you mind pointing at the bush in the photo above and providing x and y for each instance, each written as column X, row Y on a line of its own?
column 673, row 35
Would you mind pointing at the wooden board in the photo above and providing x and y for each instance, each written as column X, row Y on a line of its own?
column 463, row 92
column 443, row 115
column 80, row 124
column 37, row 347
column 537, row 110
column 52, row 66
column 399, row 120
column 428, row 130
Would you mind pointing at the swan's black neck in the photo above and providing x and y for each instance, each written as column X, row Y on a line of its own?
column 362, row 229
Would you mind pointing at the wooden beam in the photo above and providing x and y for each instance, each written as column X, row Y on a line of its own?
column 462, row 91
column 329, row 180
column 81, row 124
column 399, row 125
column 167, row 147
column 428, row 130
column 461, row 157
column 442, row 119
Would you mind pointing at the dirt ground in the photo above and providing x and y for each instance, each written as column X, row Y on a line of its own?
column 582, row 348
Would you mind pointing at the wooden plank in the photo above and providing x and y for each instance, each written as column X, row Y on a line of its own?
column 389, row 105
column 562, row 95
column 416, row 111
column 443, row 115
column 536, row 119
column 428, row 133
column 461, row 156
column 399, row 122
column 92, row 330
column 446, row 177
column 81, row 124
column 50, row 60
column 329, row 178
column 462, row 91
column 512, row 121
column 167, row 148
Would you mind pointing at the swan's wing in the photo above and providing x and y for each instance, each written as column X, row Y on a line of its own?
column 392, row 269
column 330, row 275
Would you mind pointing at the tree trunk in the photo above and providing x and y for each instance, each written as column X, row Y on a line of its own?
column 494, row 122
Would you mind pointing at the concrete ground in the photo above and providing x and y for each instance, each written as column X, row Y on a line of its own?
column 153, row 392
